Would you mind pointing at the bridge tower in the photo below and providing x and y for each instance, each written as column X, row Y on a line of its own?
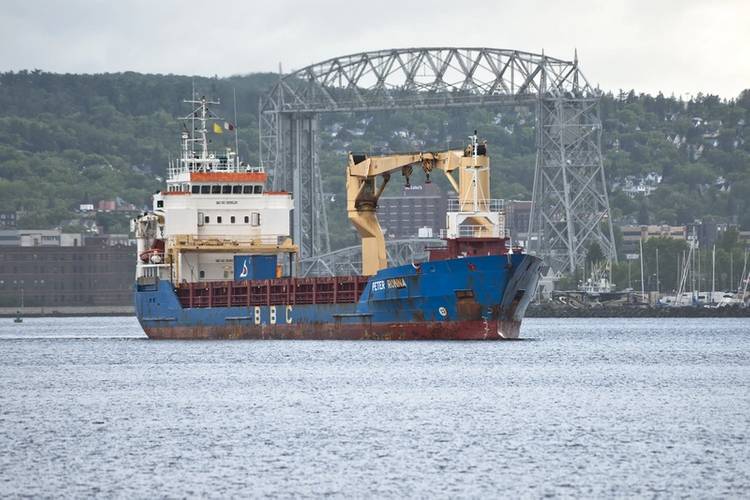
column 570, row 206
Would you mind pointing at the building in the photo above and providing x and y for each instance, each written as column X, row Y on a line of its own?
column 634, row 186
column 49, row 238
column 41, row 238
column 92, row 274
column 9, row 237
column 106, row 205
column 118, row 204
column 744, row 237
column 7, row 220
column 517, row 217
column 708, row 232
column 632, row 235
column 418, row 212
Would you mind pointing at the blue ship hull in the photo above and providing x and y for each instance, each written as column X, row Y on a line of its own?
column 472, row 298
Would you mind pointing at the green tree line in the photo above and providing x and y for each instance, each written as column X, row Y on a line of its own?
column 67, row 139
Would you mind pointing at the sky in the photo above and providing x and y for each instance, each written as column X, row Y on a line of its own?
column 678, row 47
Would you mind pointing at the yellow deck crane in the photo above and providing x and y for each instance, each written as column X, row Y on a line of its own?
column 472, row 186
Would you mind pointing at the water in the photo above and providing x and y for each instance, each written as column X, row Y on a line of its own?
column 89, row 407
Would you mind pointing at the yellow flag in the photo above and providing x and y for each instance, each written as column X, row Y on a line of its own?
column 217, row 128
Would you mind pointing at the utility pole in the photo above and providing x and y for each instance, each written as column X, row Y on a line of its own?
column 700, row 273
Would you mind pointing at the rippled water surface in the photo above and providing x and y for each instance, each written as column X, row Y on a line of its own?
column 89, row 407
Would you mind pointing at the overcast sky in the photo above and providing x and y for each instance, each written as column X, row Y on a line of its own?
column 673, row 46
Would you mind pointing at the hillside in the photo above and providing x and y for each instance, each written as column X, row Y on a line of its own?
column 67, row 140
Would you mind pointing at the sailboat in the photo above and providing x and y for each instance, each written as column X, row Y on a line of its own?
column 695, row 297
column 683, row 298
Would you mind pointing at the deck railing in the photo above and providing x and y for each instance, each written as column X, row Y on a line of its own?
column 285, row 291
column 490, row 205
column 477, row 231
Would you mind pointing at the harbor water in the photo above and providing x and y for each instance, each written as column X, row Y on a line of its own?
column 582, row 407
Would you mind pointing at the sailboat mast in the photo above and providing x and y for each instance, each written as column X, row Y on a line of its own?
column 643, row 288
column 713, row 274
column 657, row 271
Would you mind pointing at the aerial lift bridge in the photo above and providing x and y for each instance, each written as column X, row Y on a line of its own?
column 570, row 204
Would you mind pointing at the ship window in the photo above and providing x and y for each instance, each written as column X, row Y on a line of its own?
column 218, row 219
column 247, row 189
column 258, row 189
column 207, row 219
column 226, row 189
column 247, row 219
column 231, row 219
column 255, row 217
column 237, row 189
column 159, row 203
column 202, row 274
column 196, row 189
column 215, row 189
column 205, row 189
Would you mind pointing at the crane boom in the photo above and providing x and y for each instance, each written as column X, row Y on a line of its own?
column 363, row 191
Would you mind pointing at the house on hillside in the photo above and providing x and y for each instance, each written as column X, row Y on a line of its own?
column 634, row 186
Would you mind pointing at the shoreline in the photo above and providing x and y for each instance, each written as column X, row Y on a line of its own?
column 68, row 311
column 553, row 311
column 534, row 311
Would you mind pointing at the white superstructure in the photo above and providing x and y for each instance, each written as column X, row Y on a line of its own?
column 214, row 207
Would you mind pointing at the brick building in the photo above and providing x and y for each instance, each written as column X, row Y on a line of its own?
column 418, row 207
column 517, row 216
column 95, row 274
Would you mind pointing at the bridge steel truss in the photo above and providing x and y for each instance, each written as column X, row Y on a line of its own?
column 570, row 206
column 346, row 261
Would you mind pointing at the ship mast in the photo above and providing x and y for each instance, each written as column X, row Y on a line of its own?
column 202, row 114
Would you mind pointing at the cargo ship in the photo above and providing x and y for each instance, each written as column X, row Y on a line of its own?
column 215, row 259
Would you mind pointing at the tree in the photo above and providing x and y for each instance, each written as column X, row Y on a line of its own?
column 594, row 255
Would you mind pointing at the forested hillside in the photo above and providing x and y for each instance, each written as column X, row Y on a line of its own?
column 67, row 140
column 72, row 139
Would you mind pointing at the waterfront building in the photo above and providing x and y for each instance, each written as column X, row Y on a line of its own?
column 63, row 270
column 632, row 235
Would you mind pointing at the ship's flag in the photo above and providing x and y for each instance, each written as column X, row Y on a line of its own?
column 217, row 129
column 228, row 126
